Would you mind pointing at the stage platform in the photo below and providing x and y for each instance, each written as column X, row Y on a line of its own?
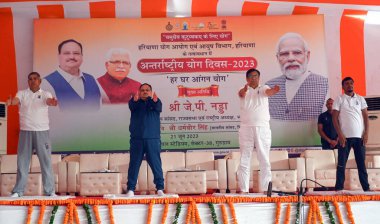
column 360, row 207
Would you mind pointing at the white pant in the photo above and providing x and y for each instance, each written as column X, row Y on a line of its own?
column 251, row 138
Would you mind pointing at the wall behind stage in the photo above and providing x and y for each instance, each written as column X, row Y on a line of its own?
column 196, row 67
column 350, row 28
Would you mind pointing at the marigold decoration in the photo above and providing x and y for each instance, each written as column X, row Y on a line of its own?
column 314, row 211
column 197, row 216
column 71, row 216
column 318, row 212
column 165, row 214
column 329, row 212
column 53, row 212
column 67, row 214
column 193, row 207
column 149, row 217
column 97, row 215
column 213, row 213
column 337, row 211
column 110, row 209
column 76, row 216
column 287, row 216
column 311, row 212
column 233, row 214
column 177, row 212
column 30, row 211
column 189, row 213
column 278, row 212
column 349, row 212
column 224, row 214
column 71, row 211
column 42, row 212
column 88, row 214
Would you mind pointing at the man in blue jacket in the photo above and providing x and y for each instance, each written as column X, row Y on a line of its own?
column 144, row 127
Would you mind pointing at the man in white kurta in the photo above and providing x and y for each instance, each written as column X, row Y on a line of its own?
column 254, row 132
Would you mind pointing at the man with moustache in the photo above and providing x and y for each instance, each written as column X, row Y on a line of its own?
column 302, row 92
column 350, row 119
column 301, row 97
column 117, row 87
column 254, row 132
column 74, row 89
column 145, row 138
column 34, row 134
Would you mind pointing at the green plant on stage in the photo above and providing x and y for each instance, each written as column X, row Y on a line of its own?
column 88, row 214
column 213, row 213
column 177, row 212
column 298, row 213
column 329, row 212
column 53, row 214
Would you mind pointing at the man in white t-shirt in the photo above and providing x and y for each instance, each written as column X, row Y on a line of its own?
column 350, row 118
column 254, row 132
column 34, row 134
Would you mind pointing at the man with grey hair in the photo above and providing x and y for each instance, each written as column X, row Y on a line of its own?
column 117, row 87
column 302, row 92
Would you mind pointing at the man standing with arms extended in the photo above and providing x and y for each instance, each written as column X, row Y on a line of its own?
column 34, row 134
column 254, row 132
column 329, row 137
column 145, row 109
column 350, row 119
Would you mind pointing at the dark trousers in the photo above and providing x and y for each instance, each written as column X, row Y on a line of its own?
column 152, row 149
column 343, row 153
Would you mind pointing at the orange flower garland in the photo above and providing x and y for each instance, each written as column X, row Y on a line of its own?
column 76, row 216
column 42, row 212
column 30, row 211
column 337, row 211
column 67, row 214
column 165, row 214
column 314, row 211
column 110, row 209
column 278, row 212
column 97, row 215
column 71, row 211
column 150, row 208
column 311, row 212
column 71, row 216
column 349, row 212
column 197, row 216
column 189, row 213
column 233, row 214
column 318, row 212
column 224, row 214
column 287, row 217
column 193, row 212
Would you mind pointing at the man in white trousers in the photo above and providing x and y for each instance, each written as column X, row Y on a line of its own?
column 254, row 132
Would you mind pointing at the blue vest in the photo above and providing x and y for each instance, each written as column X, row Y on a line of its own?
column 68, row 99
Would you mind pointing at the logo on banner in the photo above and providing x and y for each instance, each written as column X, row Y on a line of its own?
column 169, row 27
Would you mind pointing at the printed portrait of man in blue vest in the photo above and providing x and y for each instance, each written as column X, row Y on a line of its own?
column 74, row 89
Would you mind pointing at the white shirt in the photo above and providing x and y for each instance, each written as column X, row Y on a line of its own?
column 76, row 82
column 350, row 114
column 33, row 110
column 254, row 107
